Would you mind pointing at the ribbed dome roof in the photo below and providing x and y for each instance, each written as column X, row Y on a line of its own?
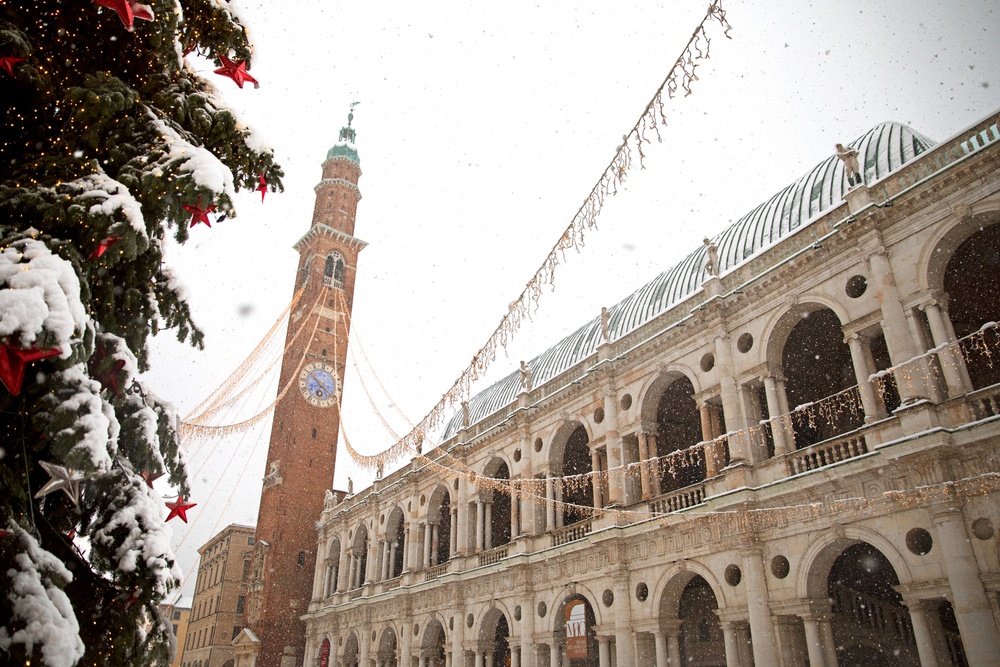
column 344, row 149
column 882, row 150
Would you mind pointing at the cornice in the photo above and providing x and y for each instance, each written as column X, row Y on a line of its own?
column 319, row 229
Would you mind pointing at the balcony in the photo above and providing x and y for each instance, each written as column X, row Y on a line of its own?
column 571, row 533
column 826, row 453
column 681, row 499
column 494, row 555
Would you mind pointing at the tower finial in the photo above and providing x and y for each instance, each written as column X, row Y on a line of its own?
column 348, row 133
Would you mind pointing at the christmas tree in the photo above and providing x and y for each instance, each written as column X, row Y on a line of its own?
column 108, row 143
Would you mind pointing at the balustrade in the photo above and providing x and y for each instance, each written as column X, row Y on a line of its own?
column 571, row 533
column 680, row 499
column 825, row 453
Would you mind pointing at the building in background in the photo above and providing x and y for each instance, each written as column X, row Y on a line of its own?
column 178, row 613
column 781, row 451
column 219, row 598
column 302, row 452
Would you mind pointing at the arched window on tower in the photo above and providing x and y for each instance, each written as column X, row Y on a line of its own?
column 333, row 272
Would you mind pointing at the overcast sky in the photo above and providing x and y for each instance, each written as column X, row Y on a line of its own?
column 481, row 129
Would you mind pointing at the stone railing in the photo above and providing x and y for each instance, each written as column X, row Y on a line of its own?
column 825, row 453
column 881, row 616
column 571, row 533
column 681, row 499
column 389, row 584
column 354, row 594
column 985, row 402
column 436, row 571
column 493, row 555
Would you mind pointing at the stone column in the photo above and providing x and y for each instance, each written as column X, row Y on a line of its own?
column 529, row 652
column 428, row 536
column 453, row 532
column 654, row 477
column 827, row 640
column 862, row 372
column 909, row 379
column 550, row 505
column 515, row 512
column 604, row 651
column 761, row 626
column 557, row 487
column 922, row 632
column 778, row 432
column 387, row 552
column 435, row 543
column 647, row 491
column 732, row 650
column 972, row 609
column 618, row 491
column 488, row 525
column 739, row 449
column 814, row 642
column 393, row 552
column 952, row 363
column 462, row 521
column 363, row 650
column 671, row 636
column 624, row 643
column 405, row 633
column 595, row 464
column 515, row 655
column 554, row 654
column 480, row 513
column 342, row 581
column 661, row 648
column 457, row 638
column 415, row 550
column 707, row 437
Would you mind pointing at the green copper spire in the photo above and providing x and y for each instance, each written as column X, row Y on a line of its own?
column 345, row 143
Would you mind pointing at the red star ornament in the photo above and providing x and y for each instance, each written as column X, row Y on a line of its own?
column 103, row 245
column 179, row 508
column 128, row 10
column 262, row 188
column 109, row 379
column 149, row 477
column 14, row 359
column 7, row 63
column 5, row 533
column 237, row 71
column 199, row 214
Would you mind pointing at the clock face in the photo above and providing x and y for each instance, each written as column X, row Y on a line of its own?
column 318, row 384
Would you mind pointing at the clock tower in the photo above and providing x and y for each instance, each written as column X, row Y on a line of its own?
column 303, row 448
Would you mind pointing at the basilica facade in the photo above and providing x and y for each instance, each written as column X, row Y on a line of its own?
column 780, row 451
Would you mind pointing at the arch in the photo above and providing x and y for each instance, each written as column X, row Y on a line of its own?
column 433, row 641
column 672, row 583
column 334, row 269
column 439, row 519
column 498, row 531
column 558, row 442
column 352, row 650
column 777, row 330
column 590, row 615
column 814, row 567
column 359, row 559
column 670, row 405
column 494, row 634
column 579, row 591
column 649, row 396
column 952, row 233
column 388, row 644
column 333, row 565
column 323, row 659
column 394, row 536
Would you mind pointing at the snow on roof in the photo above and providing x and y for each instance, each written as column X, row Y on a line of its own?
column 882, row 150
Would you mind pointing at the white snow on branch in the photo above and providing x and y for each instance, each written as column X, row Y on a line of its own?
column 111, row 197
column 205, row 169
column 43, row 616
column 93, row 426
column 134, row 532
column 39, row 294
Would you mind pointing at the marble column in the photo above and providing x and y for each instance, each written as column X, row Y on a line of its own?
column 922, row 631
column 480, row 513
column 673, row 636
column 647, row 491
column 342, row 581
column 363, row 650
column 953, row 367
column 435, row 543
column 778, row 431
column 462, row 521
column 480, row 659
column 617, row 484
column 515, row 655
column 595, row 465
column 761, row 626
column 453, row 533
column 654, row 472
column 550, row 506
column 825, row 623
column 428, row 536
column 707, row 437
column 604, row 651
column 972, row 609
column 739, row 443
column 488, row 525
column 624, row 641
column 732, row 650
column 814, row 642
column 909, row 379
column 555, row 655
column 661, row 648
column 861, row 373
